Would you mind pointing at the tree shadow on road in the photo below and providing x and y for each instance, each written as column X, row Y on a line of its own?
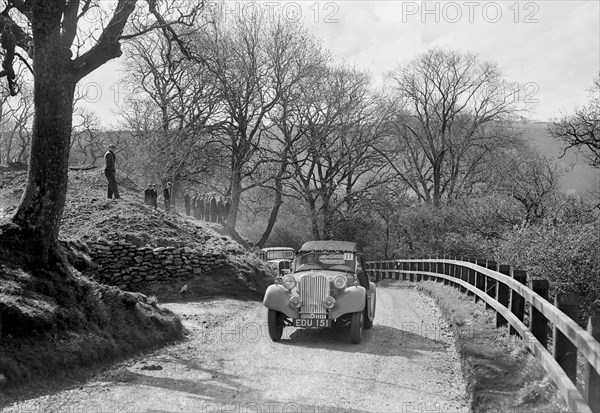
column 412, row 341
column 219, row 392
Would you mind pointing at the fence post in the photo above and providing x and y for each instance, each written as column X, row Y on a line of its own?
column 461, row 275
column 471, row 279
column 517, row 302
column 591, row 376
column 455, row 268
column 490, row 283
column 539, row 324
column 419, row 268
column 565, row 352
column 479, row 278
column 502, row 295
column 465, row 276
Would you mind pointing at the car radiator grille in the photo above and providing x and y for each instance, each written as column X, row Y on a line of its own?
column 313, row 289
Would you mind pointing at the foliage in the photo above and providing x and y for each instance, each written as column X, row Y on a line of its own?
column 567, row 255
column 466, row 227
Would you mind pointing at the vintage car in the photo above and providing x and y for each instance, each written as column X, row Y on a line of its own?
column 328, row 285
column 279, row 257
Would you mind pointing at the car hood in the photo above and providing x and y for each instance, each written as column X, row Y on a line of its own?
column 327, row 273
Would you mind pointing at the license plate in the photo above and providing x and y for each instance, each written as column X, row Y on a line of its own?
column 311, row 322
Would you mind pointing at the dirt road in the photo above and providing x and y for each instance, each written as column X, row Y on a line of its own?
column 406, row 363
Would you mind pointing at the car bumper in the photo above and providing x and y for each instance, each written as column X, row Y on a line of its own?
column 352, row 300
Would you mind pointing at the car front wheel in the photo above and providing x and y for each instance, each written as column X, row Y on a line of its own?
column 275, row 320
column 356, row 326
column 369, row 321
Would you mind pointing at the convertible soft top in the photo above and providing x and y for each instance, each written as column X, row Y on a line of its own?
column 345, row 246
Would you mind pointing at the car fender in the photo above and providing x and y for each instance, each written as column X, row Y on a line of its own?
column 277, row 297
column 351, row 300
column 370, row 295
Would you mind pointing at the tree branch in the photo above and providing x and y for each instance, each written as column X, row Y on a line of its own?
column 108, row 46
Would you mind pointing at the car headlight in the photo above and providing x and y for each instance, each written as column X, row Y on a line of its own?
column 329, row 302
column 340, row 282
column 288, row 281
column 295, row 302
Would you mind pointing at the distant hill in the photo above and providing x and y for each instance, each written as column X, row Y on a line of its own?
column 577, row 175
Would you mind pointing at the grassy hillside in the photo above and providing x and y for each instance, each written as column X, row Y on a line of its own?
column 52, row 321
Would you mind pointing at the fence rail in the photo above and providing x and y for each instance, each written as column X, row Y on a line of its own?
column 507, row 292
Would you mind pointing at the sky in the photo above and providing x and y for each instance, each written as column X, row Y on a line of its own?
column 549, row 51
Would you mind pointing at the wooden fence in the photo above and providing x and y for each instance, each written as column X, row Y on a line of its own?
column 509, row 293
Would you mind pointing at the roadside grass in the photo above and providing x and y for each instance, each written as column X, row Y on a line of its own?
column 500, row 373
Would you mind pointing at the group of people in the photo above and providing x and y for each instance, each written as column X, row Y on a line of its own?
column 207, row 207
column 203, row 207
column 151, row 195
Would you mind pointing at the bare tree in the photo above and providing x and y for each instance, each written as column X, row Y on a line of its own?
column 63, row 56
column 254, row 61
column 528, row 177
column 450, row 114
column 15, row 127
column 86, row 136
column 582, row 129
column 338, row 157
column 186, row 100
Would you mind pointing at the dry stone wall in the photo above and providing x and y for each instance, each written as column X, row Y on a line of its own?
column 124, row 265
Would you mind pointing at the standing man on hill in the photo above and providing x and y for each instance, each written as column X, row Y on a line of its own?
column 213, row 208
column 187, row 203
column 167, row 196
column 194, row 207
column 226, row 207
column 154, row 196
column 148, row 195
column 220, row 210
column 110, row 171
column 207, row 210
column 200, row 207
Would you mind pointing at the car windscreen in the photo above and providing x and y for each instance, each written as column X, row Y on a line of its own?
column 334, row 261
column 280, row 254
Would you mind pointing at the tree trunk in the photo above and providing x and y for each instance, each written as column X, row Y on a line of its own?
column 236, row 191
column 326, row 213
column 314, row 218
column 39, row 213
column 437, row 183
column 274, row 212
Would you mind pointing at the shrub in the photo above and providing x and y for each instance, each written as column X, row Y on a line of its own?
column 568, row 256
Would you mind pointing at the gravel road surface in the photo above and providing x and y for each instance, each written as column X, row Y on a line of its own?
column 406, row 363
